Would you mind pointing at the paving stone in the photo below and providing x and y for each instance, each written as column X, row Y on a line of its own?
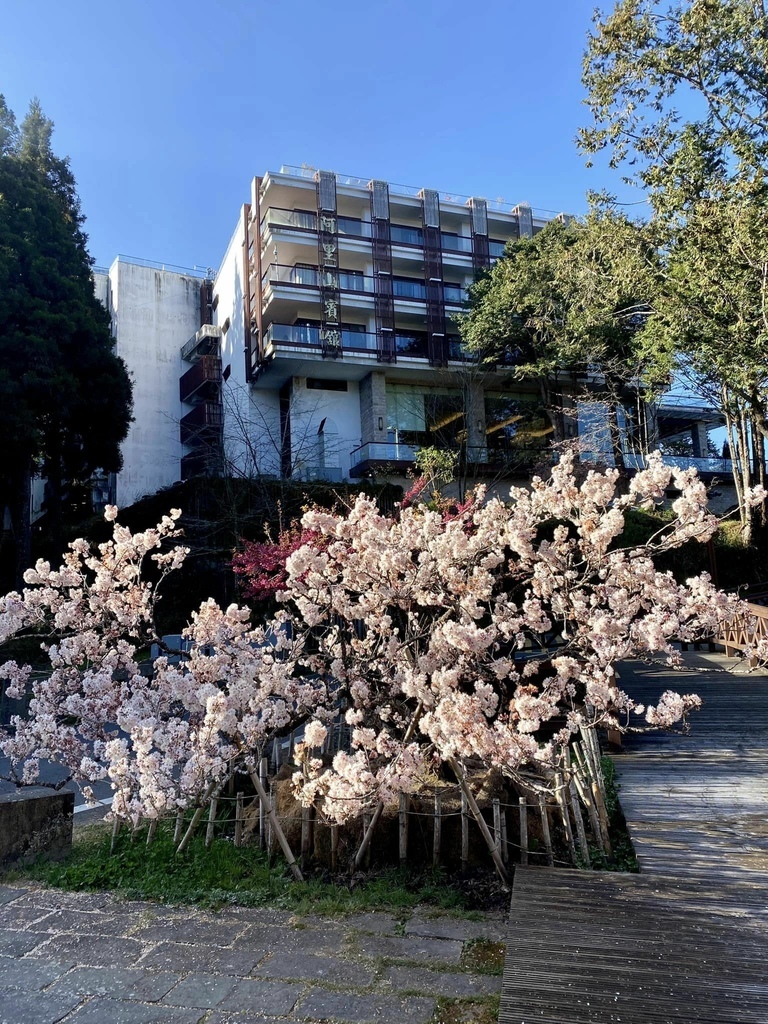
column 455, row 928
column 15, row 916
column 373, row 922
column 412, row 947
column 306, row 966
column 9, row 893
column 319, row 1004
column 35, row 1007
column 310, row 940
column 261, row 916
column 203, row 990
column 182, row 958
column 119, row 982
column 241, row 1018
column 13, row 943
column 115, row 1011
column 191, row 930
column 29, row 974
column 442, row 983
column 90, row 950
column 52, row 899
column 262, row 997
column 83, row 922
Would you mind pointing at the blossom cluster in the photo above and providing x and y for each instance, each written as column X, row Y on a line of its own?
column 485, row 635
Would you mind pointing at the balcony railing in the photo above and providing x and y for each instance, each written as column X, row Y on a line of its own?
column 307, row 277
column 283, row 334
column 416, row 346
column 354, row 227
column 201, row 381
column 482, row 460
column 203, row 425
column 306, row 220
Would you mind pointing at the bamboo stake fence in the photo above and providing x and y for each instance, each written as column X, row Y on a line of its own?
column 580, row 785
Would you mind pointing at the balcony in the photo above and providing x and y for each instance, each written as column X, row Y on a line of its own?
column 299, row 336
column 409, row 289
column 203, row 425
column 396, row 458
column 306, row 220
column 200, row 463
column 201, row 382
column 203, row 342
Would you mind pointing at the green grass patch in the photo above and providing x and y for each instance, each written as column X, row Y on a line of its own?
column 225, row 874
column 484, row 957
column 623, row 856
column 484, row 1010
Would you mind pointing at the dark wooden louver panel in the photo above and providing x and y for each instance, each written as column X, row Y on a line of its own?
column 478, row 216
column 433, row 277
column 328, row 265
column 381, row 244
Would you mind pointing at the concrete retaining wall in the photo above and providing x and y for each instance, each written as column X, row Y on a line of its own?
column 35, row 821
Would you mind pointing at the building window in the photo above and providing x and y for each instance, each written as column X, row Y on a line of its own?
column 408, row 288
column 323, row 384
column 423, row 417
column 406, row 235
column 516, row 422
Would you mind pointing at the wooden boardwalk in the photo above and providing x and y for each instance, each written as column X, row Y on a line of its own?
column 686, row 939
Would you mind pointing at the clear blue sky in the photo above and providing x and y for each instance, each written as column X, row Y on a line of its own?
column 168, row 109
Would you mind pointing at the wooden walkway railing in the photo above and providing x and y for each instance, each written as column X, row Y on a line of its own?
column 743, row 632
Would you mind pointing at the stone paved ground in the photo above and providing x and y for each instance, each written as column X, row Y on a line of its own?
column 92, row 959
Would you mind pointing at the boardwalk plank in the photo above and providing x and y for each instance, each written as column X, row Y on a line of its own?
column 686, row 939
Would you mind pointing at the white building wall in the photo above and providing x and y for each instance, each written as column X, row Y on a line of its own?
column 154, row 313
column 338, row 414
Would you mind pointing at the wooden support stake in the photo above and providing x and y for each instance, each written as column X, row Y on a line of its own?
column 178, row 827
column 367, row 835
column 239, row 820
column 504, row 838
column 545, row 830
column 585, row 792
column 151, row 831
column 436, row 830
column 403, row 829
column 115, row 830
column 284, row 845
column 523, row 812
column 469, row 798
column 497, row 823
column 464, row 833
column 305, row 850
column 334, row 847
column 263, row 767
column 581, row 834
column 209, row 832
column 135, row 830
column 562, row 803
column 270, row 837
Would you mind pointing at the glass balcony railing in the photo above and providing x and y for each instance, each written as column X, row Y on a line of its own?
column 301, row 336
column 411, row 290
column 456, row 243
column 308, row 277
column 306, row 220
column 480, row 459
column 496, row 249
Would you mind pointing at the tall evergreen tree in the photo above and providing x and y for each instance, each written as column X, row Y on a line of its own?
column 65, row 397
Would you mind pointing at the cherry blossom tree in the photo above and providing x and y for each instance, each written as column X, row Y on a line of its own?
column 449, row 639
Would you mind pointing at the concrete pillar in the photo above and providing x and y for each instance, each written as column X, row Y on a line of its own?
column 476, row 422
column 373, row 407
column 699, row 439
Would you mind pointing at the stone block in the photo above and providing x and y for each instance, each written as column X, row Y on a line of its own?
column 35, row 821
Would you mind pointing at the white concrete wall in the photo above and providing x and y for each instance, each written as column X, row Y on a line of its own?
column 341, row 430
column 251, row 417
column 154, row 313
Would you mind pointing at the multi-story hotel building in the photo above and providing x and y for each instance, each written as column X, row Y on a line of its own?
column 326, row 345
